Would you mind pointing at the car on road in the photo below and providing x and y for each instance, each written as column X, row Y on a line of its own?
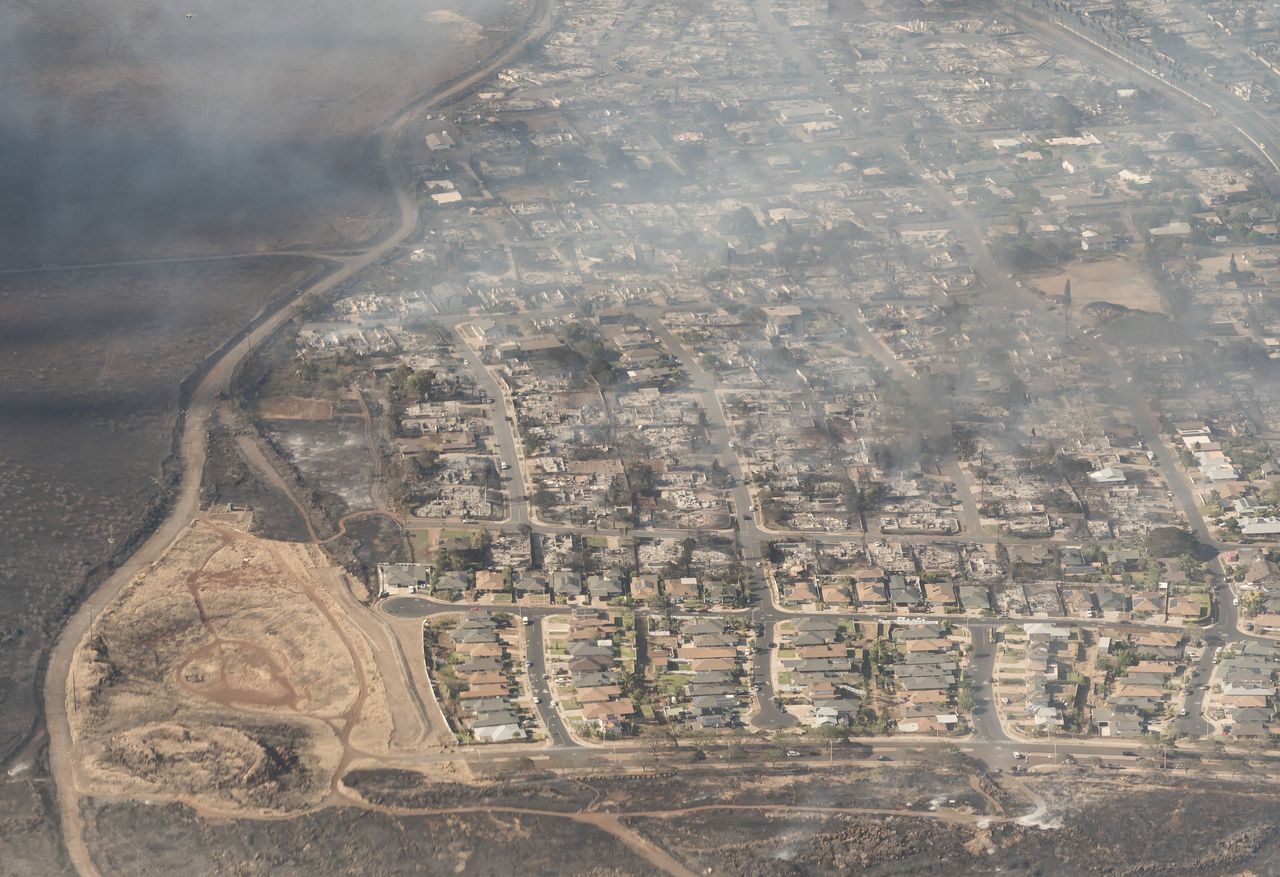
column 883, row 758
column 1182, row 712
column 537, row 700
column 1017, row 754
column 791, row 753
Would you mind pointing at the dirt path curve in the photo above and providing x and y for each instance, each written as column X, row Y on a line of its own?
column 193, row 434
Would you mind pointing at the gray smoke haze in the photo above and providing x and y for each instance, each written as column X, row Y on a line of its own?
column 126, row 124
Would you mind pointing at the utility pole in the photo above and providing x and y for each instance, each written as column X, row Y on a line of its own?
column 1066, row 309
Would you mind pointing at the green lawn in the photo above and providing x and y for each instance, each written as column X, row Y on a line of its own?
column 472, row 536
column 418, row 545
column 671, row 683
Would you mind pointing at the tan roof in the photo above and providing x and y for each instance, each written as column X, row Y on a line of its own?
column 1157, row 637
column 828, row 650
column 871, row 592
column 597, row 694
column 927, row 645
column 928, row 697
column 609, row 709
column 486, row 677
column 490, row 580
column 708, row 664
column 691, row 652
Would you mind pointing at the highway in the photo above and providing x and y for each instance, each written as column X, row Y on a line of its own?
column 1202, row 97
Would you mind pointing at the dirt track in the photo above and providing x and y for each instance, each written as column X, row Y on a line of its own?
column 216, row 381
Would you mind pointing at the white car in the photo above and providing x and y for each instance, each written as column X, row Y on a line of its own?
column 537, row 700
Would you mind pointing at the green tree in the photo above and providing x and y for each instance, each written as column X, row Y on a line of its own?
column 1251, row 603
column 421, row 382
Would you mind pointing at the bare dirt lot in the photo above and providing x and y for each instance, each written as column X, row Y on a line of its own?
column 227, row 675
column 1118, row 281
column 295, row 408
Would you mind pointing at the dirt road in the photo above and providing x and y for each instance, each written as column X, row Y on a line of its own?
column 193, row 438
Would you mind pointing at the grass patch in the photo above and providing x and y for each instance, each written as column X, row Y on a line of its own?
column 472, row 537
column 671, row 683
column 418, row 544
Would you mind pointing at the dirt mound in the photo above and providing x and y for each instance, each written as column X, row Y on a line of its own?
column 200, row 759
column 295, row 408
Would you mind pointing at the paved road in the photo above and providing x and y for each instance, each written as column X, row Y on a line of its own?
column 982, row 667
column 1206, row 99
column 752, row 538
column 504, row 432
column 557, row 730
